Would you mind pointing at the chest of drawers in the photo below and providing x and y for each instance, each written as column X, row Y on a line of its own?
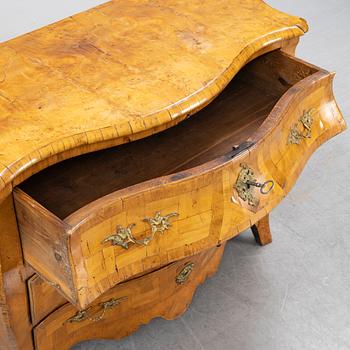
column 136, row 139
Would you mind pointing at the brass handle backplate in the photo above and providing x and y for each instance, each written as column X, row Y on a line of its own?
column 306, row 121
column 84, row 315
column 246, row 182
column 184, row 274
column 124, row 235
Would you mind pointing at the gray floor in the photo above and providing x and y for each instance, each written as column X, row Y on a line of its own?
column 294, row 293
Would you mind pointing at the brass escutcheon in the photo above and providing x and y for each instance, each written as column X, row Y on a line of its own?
column 83, row 315
column 184, row 274
column 245, row 183
column 306, row 120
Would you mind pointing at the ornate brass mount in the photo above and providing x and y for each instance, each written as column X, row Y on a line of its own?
column 124, row 236
column 184, row 274
column 83, row 315
column 245, row 183
column 160, row 223
column 295, row 136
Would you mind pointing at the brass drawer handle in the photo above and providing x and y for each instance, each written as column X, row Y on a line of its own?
column 306, row 120
column 245, row 183
column 124, row 236
column 159, row 223
column 184, row 274
column 83, row 315
column 80, row 316
column 107, row 305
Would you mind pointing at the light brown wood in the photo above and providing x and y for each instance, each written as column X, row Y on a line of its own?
column 229, row 120
column 46, row 244
column 99, row 75
column 261, row 231
column 154, row 295
column 209, row 208
column 15, row 327
column 44, row 299
column 120, row 75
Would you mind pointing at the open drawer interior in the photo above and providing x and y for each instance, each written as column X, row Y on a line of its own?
column 227, row 121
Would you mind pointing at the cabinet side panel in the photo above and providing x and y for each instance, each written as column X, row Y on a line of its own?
column 15, row 327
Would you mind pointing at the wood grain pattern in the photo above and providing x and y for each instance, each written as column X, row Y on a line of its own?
column 15, row 326
column 261, row 231
column 229, row 120
column 210, row 210
column 43, row 297
column 121, row 71
column 118, row 73
column 46, row 244
column 154, row 295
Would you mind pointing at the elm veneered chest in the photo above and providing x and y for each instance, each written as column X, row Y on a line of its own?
column 137, row 138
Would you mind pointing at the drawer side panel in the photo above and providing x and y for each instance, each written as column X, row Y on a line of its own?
column 44, row 244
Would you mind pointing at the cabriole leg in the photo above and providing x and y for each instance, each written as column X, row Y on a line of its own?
column 261, row 231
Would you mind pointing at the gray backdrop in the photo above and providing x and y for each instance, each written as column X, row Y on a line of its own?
column 294, row 293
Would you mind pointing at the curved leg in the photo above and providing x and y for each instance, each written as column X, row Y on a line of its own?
column 261, row 231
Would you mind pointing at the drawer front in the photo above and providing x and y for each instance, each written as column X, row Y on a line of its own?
column 153, row 228
column 43, row 298
column 166, row 293
column 149, row 225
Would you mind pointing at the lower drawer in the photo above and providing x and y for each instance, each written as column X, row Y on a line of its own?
column 43, row 298
column 164, row 293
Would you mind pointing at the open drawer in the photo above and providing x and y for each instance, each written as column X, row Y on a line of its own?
column 93, row 221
